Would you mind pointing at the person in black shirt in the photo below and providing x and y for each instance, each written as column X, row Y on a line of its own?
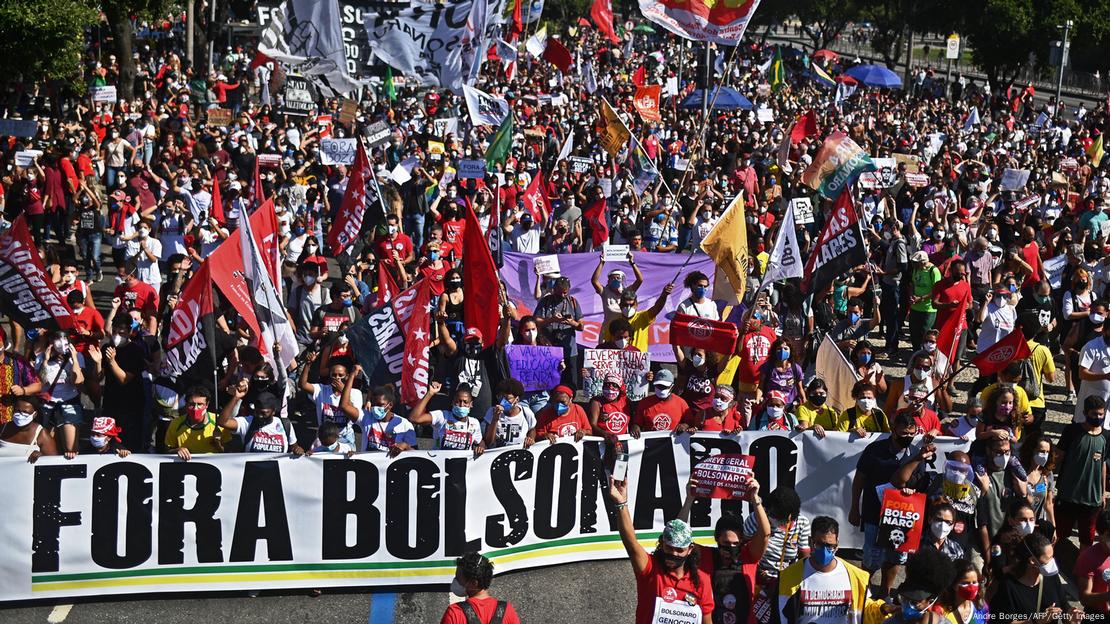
column 1032, row 590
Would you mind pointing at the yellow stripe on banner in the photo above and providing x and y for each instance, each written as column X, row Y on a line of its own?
column 201, row 579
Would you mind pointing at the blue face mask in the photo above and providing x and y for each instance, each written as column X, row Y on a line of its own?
column 348, row 302
column 911, row 613
column 505, row 404
column 853, row 318
column 784, row 354
column 460, row 411
column 823, row 556
column 698, row 291
column 561, row 408
column 298, row 231
column 865, row 358
column 1013, row 288
column 433, row 255
column 615, row 284
column 378, row 412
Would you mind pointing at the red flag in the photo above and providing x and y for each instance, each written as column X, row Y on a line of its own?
column 27, row 294
column 639, row 77
column 694, row 331
column 806, row 126
column 217, row 203
column 646, row 102
column 387, row 287
column 481, row 307
column 997, row 356
column 602, row 14
column 259, row 59
column 194, row 303
column 583, row 21
column 413, row 310
column 228, row 273
column 348, row 221
column 535, row 200
column 264, row 226
column 599, row 222
column 948, row 340
column 257, row 196
column 558, row 55
column 518, row 23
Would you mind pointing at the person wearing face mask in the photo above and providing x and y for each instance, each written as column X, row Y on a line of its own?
column 663, row 410
column 610, row 292
column 923, row 313
column 815, row 413
column 1033, row 590
column 24, row 435
column 754, row 348
column 260, row 429
column 124, row 361
column 610, row 412
column 928, row 574
column 328, row 441
column 775, row 415
column 88, row 323
column 146, row 250
column 721, row 414
column 104, row 438
column 824, row 587
column 197, row 429
column 895, row 265
column 307, row 296
column 394, row 247
column 1031, row 254
column 865, row 416
column 453, row 429
column 732, row 563
column 1093, row 364
column 559, row 316
column 339, row 311
column 509, row 422
column 562, row 417
column 383, row 431
column 62, row 366
column 135, row 295
column 1038, row 458
column 70, row 283
column 866, row 368
column 698, row 303
column 1092, row 569
column 997, row 318
column 326, row 397
column 668, row 580
column 782, row 372
column 964, row 602
column 853, row 327
column 434, row 266
column 697, row 376
column 640, row 322
column 1081, row 483
column 473, row 577
column 942, row 519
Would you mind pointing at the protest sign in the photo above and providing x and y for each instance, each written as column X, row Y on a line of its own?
column 615, row 253
column 436, row 149
column 917, row 180
column 703, row 333
column 269, row 161
column 1014, row 179
column 724, row 476
column 631, row 366
column 18, row 127
column 348, row 112
column 912, row 163
column 104, row 94
column 900, row 520
column 765, row 115
column 546, row 265
column 606, row 185
column 338, row 151
column 26, row 158
column 378, row 133
column 297, row 96
column 579, row 164
column 1068, row 165
column 884, row 176
column 446, row 126
column 803, row 210
column 400, row 174
column 270, row 521
column 219, row 116
column 472, row 169
column 1026, row 203
column 535, row 367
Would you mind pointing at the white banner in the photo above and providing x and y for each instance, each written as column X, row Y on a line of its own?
column 700, row 20
column 786, row 260
column 307, row 35
column 109, row 526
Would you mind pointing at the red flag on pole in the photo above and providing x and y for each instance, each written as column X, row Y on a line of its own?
column 413, row 310
column 481, row 307
column 948, row 340
column 387, row 287
column 217, row 203
column 639, row 77
column 557, row 54
column 806, row 126
column 518, row 23
column 599, row 222
column 997, row 356
column 257, row 196
column 28, row 295
column 602, row 14
column 535, row 200
column 348, row 221
column 694, row 331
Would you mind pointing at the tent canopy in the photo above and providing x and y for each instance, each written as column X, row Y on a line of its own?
column 875, row 76
column 727, row 99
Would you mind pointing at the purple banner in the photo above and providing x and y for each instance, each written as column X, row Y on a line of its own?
column 659, row 269
column 535, row 367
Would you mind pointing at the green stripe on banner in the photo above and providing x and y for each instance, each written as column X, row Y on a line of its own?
column 299, row 567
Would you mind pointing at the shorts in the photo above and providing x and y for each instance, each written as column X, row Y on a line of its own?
column 58, row 414
column 875, row 556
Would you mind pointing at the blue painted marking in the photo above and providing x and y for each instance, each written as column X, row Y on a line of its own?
column 382, row 607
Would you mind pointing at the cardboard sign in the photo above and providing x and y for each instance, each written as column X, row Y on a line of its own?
column 18, row 127
column 579, row 164
column 615, row 253
column 606, row 186
column 348, row 111
column 724, row 476
column 913, row 163
column 917, row 180
column 1014, row 179
column 884, row 176
column 535, row 367
column 472, row 169
column 338, row 151
column 803, row 210
column 1054, row 267
column 400, row 174
column 436, row 149
column 269, row 161
column 631, row 366
column 104, row 94
column 219, row 116
column 546, row 265
column 901, row 520
column 765, row 115
column 1026, row 203
column 378, row 133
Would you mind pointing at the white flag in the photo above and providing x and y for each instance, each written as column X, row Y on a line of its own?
column 589, row 80
column 485, row 109
column 537, row 43
column 307, row 36
column 506, row 51
column 475, row 42
column 785, row 260
column 568, row 145
column 838, row 374
column 972, row 119
column 267, row 302
column 535, row 10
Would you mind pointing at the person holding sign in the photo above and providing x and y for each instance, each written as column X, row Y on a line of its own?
column 669, row 584
column 611, row 292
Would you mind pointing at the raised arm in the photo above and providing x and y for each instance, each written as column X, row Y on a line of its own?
column 419, row 414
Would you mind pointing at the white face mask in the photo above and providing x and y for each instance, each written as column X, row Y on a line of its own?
column 1025, row 527
column 940, row 529
column 117, row 340
column 1097, row 319
column 1050, row 568
column 929, row 346
column 629, row 312
column 697, row 360
column 309, row 280
column 22, row 419
column 98, row 441
column 662, row 393
column 774, row 411
column 530, row 335
column 1001, row 461
column 720, row 404
column 621, row 343
column 865, row 404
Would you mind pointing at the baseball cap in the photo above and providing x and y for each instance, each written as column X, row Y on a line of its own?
column 473, row 333
column 106, row 426
column 663, row 377
column 677, row 534
column 919, row 256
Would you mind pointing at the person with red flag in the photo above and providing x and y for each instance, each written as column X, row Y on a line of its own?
column 995, row 357
column 951, row 298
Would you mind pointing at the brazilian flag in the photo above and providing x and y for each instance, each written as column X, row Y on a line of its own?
column 501, row 144
column 390, row 89
column 778, row 71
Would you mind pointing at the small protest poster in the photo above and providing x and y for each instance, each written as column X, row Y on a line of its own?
column 535, row 367
column 579, row 164
column 348, row 111
column 615, row 253
column 917, row 180
column 631, row 366
column 724, row 476
column 25, row 158
column 884, row 176
column 472, row 169
column 436, row 150
column 1014, row 179
column 378, row 134
column 606, row 186
column 1069, row 165
column 219, row 116
column 298, row 96
column 803, row 210
column 765, row 115
column 104, row 94
column 546, row 265
column 445, row 126
column 912, row 163
column 900, row 520
column 400, row 174
column 1026, row 203
column 269, row 161
column 1054, row 267
column 338, row 151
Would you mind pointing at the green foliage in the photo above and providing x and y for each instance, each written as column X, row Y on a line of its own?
column 43, row 39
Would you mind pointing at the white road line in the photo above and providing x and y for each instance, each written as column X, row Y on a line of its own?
column 59, row 613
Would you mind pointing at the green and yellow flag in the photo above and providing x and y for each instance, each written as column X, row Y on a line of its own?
column 727, row 244
column 1095, row 151
column 390, row 89
column 501, row 144
column 778, row 71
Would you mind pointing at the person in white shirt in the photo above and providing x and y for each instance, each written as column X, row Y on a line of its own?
column 384, row 431
column 509, row 422
column 259, row 428
column 523, row 236
column 147, row 251
column 699, row 303
column 1094, row 371
column 326, row 399
column 454, row 429
column 997, row 317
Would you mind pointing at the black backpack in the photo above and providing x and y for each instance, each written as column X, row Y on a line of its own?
column 472, row 615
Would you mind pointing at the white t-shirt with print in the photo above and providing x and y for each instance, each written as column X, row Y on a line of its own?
column 272, row 438
column 1095, row 357
column 452, row 434
column 511, row 428
column 327, row 409
column 380, row 435
column 825, row 597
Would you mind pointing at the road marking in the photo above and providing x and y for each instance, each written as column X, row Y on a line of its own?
column 59, row 613
column 382, row 607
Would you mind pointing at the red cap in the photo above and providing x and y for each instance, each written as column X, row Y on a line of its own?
column 106, row 426
column 776, row 394
column 564, row 389
column 473, row 332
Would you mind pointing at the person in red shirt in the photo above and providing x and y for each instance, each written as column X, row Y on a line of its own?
column 721, row 415
column 1031, row 253
column 88, row 324
column 434, row 267
column 664, row 410
column 70, row 283
column 753, row 347
column 1092, row 569
column 926, row 419
column 473, row 576
column 395, row 245
column 610, row 411
column 668, row 581
column 137, row 296
column 562, row 417
column 951, row 291
column 453, row 225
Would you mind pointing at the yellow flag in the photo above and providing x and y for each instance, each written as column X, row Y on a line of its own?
column 616, row 135
column 1095, row 152
column 727, row 244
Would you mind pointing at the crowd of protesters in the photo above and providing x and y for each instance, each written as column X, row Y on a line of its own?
column 126, row 191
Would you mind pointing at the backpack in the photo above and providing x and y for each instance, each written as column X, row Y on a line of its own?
column 472, row 615
column 1030, row 380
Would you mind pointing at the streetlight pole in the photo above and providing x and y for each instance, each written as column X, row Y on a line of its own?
column 1063, row 62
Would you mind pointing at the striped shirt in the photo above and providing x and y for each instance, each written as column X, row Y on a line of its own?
column 783, row 545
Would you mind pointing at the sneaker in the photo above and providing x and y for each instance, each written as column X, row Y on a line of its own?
column 1071, row 397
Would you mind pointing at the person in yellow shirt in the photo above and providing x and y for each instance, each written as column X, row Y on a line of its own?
column 1012, row 377
column 196, row 430
column 640, row 321
column 865, row 416
column 815, row 413
column 1044, row 369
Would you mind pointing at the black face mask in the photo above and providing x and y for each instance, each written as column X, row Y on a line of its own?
column 673, row 562
column 818, row 399
column 472, row 350
column 732, row 550
column 904, row 441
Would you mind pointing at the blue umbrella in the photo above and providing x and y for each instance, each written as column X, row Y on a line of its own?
column 875, row 76
column 728, row 99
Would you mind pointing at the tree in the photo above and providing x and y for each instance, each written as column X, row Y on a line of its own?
column 44, row 39
column 119, row 13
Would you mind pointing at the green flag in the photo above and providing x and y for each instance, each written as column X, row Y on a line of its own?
column 501, row 144
column 778, row 71
column 390, row 90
